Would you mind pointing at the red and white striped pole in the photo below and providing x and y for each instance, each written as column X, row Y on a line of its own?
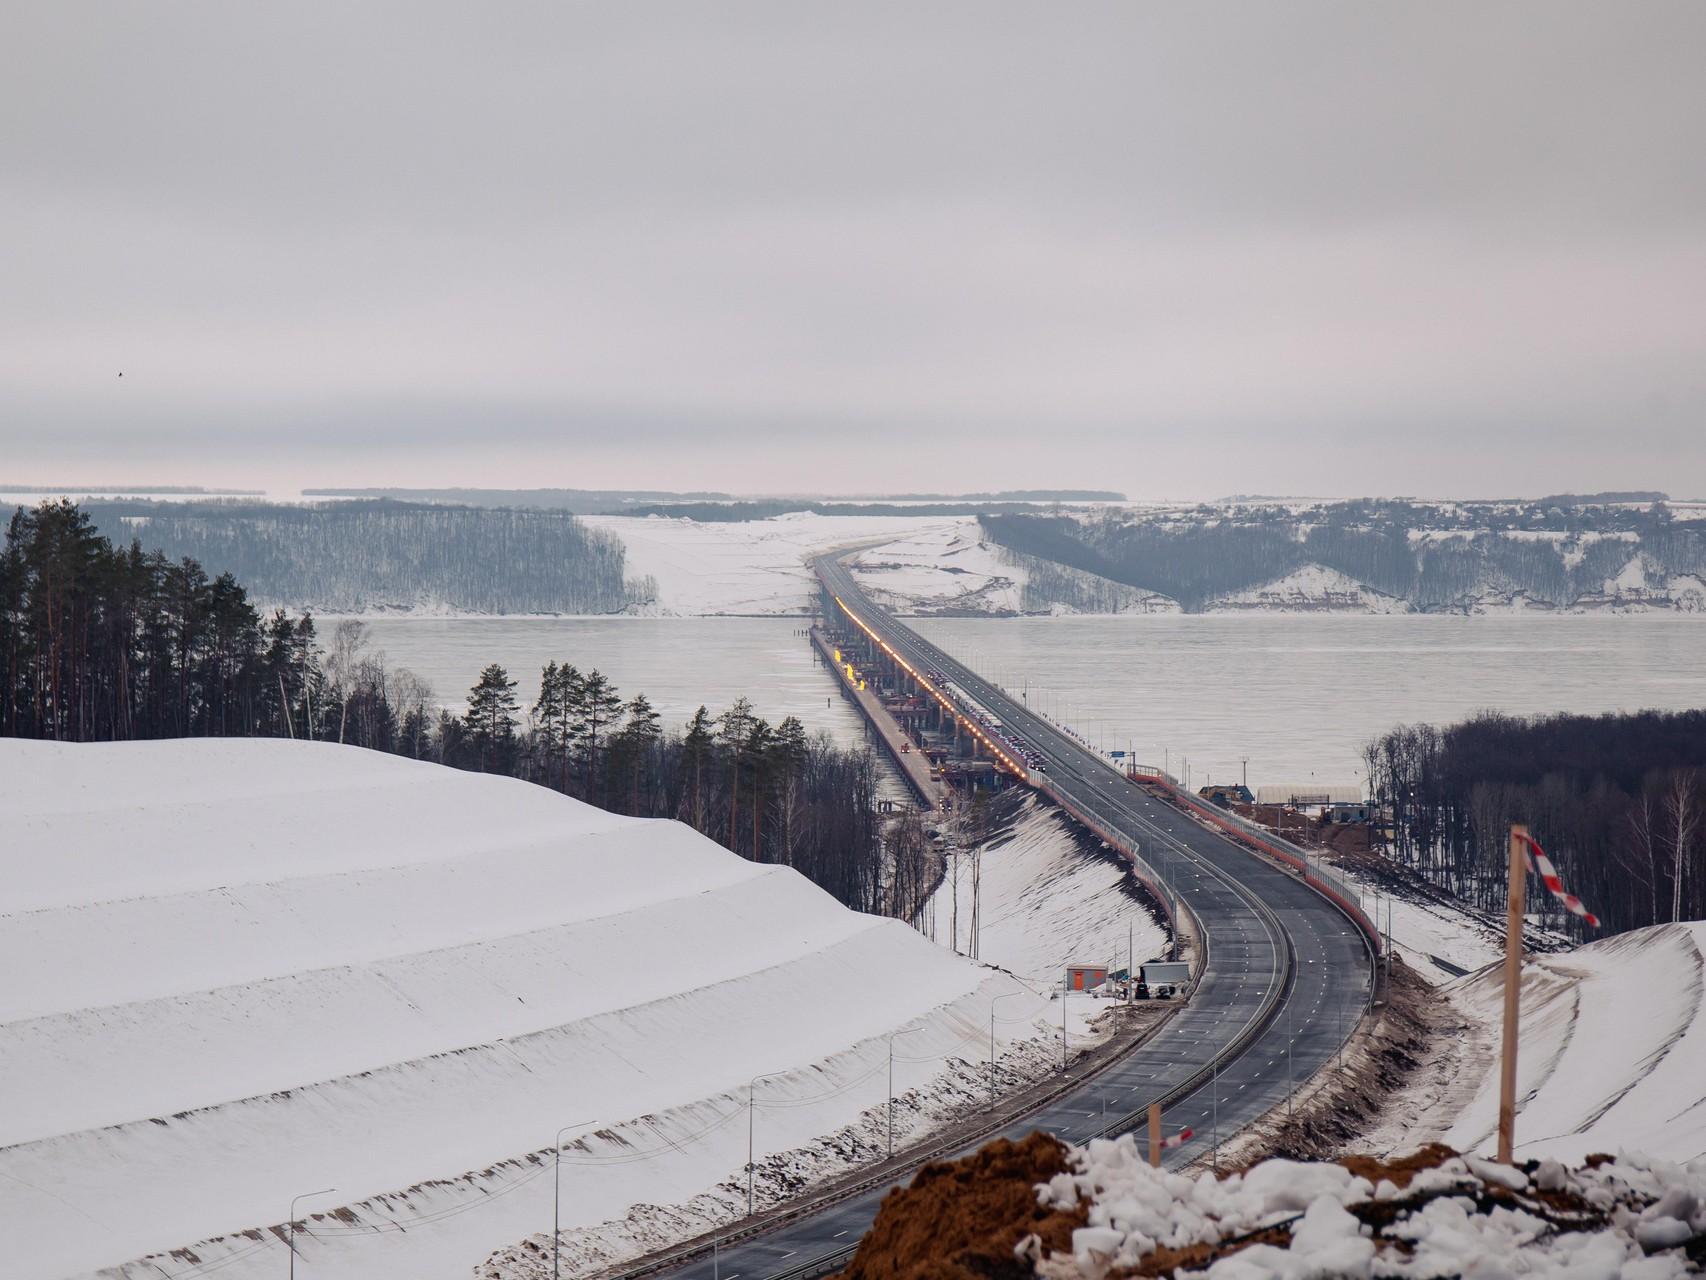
column 1523, row 847
column 1158, row 1144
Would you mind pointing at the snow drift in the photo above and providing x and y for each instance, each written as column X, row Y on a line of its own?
column 1612, row 1056
column 241, row 970
column 1613, row 1049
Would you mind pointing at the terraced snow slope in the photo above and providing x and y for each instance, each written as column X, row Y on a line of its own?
column 240, row 970
column 1612, row 1057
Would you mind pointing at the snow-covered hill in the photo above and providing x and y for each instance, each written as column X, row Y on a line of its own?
column 912, row 564
column 744, row 566
column 950, row 568
column 240, row 970
column 1613, row 1055
column 1311, row 589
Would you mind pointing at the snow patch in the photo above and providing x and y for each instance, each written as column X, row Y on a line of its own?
column 1312, row 589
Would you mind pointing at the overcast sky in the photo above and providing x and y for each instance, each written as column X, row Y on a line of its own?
column 1181, row 250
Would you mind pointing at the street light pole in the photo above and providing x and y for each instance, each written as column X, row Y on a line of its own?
column 750, row 1086
column 892, row 1038
column 557, row 1197
column 1216, row 1071
column 292, row 1240
column 1063, row 986
column 998, row 999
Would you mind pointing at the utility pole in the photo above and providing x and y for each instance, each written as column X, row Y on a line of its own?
column 1513, row 990
column 1063, row 1023
column 976, row 901
column 1290, row 1079
column 1215, row 1069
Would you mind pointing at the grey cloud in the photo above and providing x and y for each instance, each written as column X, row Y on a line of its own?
column 411, row 241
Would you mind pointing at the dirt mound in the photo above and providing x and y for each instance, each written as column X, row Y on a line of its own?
column 1400, row 1169
column 960, row 1219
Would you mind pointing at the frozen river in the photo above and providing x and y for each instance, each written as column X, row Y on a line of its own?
column 1296, row 695
column 1300, row 695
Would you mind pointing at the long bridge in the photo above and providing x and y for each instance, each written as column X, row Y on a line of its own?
column 1285, row 962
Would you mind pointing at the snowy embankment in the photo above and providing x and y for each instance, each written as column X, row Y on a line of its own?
column 1046, row 901
column 1613, row 1055
column 1426, row 926
column 242, row 970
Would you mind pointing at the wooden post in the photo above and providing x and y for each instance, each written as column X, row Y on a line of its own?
column 1513, row 991
column 1155, row 1134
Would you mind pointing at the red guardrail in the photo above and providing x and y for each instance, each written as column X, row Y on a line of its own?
column 1238, row 831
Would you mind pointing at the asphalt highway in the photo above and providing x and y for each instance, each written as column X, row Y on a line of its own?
column 1279, row 957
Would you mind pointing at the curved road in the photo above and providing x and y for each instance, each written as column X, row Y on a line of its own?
column 1264, row 931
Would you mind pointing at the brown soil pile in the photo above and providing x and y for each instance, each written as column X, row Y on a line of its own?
column 1399, row 1171
column 960, row 1219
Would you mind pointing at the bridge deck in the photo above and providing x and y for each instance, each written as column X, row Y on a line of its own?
column 913, row 764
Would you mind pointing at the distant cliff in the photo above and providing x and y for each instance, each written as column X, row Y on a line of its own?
column 1384, row 557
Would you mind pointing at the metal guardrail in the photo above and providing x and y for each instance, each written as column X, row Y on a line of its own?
column 1298, row 859
column 834, row 1260
column 805, row 1208
column 1248, row 834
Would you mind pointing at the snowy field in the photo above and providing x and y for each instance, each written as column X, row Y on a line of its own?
column 1613, row 1055
column 242, row 970
column 751, row 566
column 944, row 566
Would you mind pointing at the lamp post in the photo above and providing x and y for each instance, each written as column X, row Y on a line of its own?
column 892, row 1038
column 1064, row 983
column 557, row 1197
column 998, row 999
column 750, row 1086
column 292, row 1240
column 1216, row 1071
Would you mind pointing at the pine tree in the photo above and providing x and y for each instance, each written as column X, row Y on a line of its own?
column 735, row 727
column 789, row 751
column 490, row 721
column 698, row 743
column 598, row 707
column 639, row 739
column 759, row 743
